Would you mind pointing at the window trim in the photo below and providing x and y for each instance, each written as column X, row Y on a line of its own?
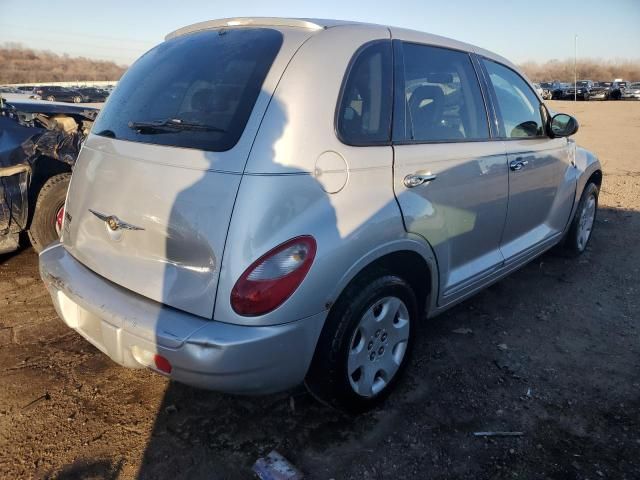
column 398, row 78
column 343, row 85
column 502, row 136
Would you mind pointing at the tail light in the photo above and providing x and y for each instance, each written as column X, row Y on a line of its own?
column 273, row 278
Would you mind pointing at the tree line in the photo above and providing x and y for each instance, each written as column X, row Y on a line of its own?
column 25, row 65
column 587, row 69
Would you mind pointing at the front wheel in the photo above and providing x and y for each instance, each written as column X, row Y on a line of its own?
column 51, row 98
column 77, row 99
column 365, row 344
column 46, row 224
column 581, row 227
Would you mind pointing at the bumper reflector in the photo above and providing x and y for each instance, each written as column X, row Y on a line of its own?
column 162, row 363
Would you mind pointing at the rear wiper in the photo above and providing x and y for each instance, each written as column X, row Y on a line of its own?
column 172, row 124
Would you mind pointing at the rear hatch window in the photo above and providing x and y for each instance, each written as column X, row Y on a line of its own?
column 194, row 91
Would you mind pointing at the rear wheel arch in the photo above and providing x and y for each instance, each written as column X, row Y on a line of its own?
column 408, row 264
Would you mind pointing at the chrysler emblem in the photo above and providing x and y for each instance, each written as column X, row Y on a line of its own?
column 114, row 223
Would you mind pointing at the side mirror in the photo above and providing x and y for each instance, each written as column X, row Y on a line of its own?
column 563, row 125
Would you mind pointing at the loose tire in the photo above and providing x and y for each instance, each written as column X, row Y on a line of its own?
column 46, row 222
column 579, row 234
column 365, row 344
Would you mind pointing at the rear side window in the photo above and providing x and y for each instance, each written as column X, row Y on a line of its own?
column 194, row 91
column 364, row 112
column 520, row 110
column 438, row 97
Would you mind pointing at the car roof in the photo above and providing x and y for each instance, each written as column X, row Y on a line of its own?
column 319, row 24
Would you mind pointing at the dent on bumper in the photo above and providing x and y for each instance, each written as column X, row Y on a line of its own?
column 203, row 353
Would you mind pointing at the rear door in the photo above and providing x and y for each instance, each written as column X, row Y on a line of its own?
column 450, row 177
column 541, row 181
column 154, row 186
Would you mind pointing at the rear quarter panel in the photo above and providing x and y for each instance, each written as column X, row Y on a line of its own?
column 301, row 180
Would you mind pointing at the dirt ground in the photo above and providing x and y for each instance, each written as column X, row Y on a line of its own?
column 566, row 374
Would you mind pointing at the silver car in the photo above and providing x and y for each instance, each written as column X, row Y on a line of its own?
column 632, row 92
column 269, row 201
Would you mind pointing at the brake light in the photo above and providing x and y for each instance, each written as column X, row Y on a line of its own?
column 273, row 278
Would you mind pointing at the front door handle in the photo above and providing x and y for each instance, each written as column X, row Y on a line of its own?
column 418, row 178
column 518, row 164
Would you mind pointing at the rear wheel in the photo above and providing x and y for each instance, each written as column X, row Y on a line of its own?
column 46, row 224
column 365, row 344
column 581, row 228
column 77, row 99
column 51, row 98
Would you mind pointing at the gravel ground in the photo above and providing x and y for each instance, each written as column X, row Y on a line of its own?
column 552, row 351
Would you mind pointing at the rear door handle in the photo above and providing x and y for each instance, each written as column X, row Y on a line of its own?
column 418, row 178
column 518, row 164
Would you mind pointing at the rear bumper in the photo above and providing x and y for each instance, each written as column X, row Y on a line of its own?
column 130, row 329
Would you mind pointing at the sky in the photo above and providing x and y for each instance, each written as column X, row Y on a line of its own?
column 121, row 30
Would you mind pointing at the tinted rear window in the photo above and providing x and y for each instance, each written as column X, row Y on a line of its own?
column 209, row 78
column 364, row 113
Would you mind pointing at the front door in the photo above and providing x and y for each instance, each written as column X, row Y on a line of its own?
column 450, row 179
column 541, row 181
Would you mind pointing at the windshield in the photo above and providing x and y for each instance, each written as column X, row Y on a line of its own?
column 210, row 78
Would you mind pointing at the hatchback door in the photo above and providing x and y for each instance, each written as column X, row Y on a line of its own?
column 541, row 180
column 449, row 178
column 153, row 190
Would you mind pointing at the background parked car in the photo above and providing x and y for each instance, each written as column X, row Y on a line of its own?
column 632, row 92
column 599, row 91
column 60, row 94
column 588, row 90
column 93, row 94
column 12, row 93
column 579, row 91
column 617, row 89
column 556, row 88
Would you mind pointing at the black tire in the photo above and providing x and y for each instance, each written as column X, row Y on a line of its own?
column 328, row 378
column 573, row 244
column 51, row 98
column 51, row 198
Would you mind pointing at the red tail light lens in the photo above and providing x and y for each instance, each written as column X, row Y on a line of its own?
column 271, row 279
column 162, row 363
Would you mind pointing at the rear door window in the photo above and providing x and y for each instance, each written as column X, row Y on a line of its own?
column 519, row 108
column 194, row 91
column 438, row 96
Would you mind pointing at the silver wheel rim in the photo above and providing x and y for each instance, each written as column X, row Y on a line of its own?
column 585, row 225
column 378, row 346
